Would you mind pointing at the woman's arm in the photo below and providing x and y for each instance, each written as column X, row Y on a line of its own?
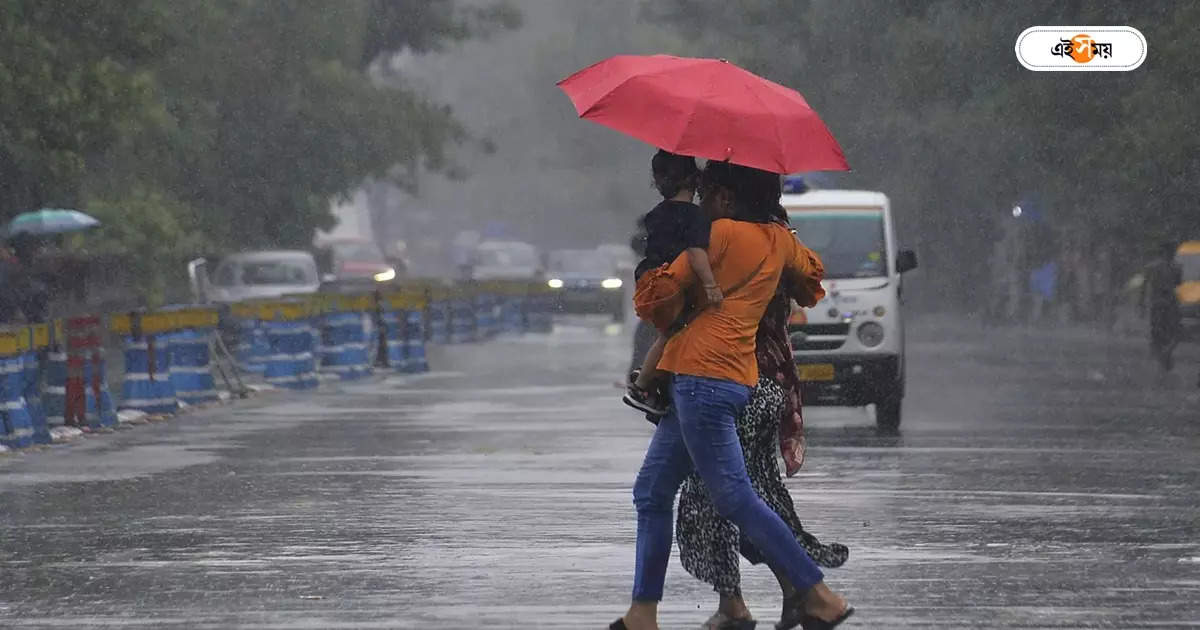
column 803, row 272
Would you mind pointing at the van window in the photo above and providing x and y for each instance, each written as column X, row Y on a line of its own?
column 851, row 243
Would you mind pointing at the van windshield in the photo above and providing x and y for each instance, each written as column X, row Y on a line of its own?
column 851, row 243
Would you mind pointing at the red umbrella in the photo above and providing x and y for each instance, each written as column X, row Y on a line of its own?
column 707, row 108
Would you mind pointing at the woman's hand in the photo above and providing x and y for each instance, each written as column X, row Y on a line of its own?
column 714, row 295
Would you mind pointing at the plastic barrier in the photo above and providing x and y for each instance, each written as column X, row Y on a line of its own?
column 52, row 374
column 17, row 423
column 31, row 382
column 414, row 333
column 33, row 361
column 252, row 346
column 345, row 350
column 483, row 305
column 147, row 384
column 88, row 401
column 291, row 363
column 191, row 372
column 512, row 314
column 509, row 305
column 462, row 318
column 539, row 310
column 395, row 355
column 54, row 392
column 439, row 316
column 99, row 410
column 403, row 313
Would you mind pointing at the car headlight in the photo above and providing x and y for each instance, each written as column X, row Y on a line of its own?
column 386, row 276
column 554, row 283
column 870, row 334
column 612, row 283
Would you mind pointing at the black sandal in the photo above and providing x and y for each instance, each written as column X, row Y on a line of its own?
column 619, row 624
column 795, row 614
column 808, row 622
column 738, row 624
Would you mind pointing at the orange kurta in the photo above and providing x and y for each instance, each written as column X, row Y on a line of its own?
column 748, row 260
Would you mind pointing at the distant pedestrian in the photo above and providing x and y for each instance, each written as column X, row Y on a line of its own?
column 10, row 286
column 1163, row 275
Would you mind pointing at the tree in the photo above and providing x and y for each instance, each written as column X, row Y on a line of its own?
column 931, row 106
column 71, row 83
column 272, row 112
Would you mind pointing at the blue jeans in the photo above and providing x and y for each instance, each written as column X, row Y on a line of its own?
column 700, row 431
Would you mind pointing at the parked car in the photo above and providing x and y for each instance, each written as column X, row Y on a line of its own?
column 586, row 281
column 255, row 275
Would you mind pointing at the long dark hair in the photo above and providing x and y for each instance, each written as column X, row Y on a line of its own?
column 756, row 192
column 673, row 173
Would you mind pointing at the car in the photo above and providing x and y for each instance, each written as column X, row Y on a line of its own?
column 357, row 261
column 255, row 275
column 622, row 255
column 505, row 260
column 849, row 349
column 586, row 281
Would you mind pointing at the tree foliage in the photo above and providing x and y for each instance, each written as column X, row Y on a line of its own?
column 239, row 119
column 931, row 106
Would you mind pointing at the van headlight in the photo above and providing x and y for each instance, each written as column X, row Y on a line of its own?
column 612, row 283
column 386, row 276
column 554, row 283
column 870, row 334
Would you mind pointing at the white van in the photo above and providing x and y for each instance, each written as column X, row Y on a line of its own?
column 849, row 348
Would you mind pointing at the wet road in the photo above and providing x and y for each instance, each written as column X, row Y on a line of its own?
column 1039, row 482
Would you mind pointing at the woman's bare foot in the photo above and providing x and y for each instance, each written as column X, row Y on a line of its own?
column 642, row 616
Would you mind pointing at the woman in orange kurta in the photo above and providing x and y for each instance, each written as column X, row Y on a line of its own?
column 713, row 367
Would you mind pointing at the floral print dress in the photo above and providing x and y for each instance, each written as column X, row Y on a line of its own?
column 709, row 544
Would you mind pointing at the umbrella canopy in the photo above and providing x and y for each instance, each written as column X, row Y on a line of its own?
column 706, row 108
column 50, row 221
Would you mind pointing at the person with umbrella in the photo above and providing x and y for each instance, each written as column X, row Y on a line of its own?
column 24, row 284
column 725, row 114
column 770, row 424
column 33, row 294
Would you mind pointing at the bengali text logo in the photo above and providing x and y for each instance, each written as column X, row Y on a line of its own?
column 1081, row 48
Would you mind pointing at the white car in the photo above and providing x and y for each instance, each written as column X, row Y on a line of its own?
column 257, row 275
column 849, row 348
column 505, row 260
